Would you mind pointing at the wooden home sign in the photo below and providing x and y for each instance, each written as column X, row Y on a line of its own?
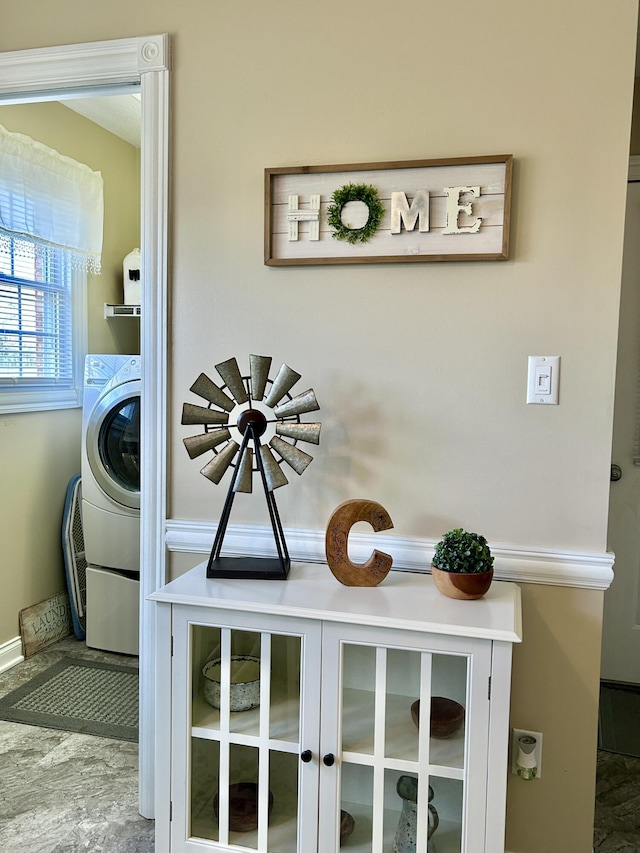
column 419, row 210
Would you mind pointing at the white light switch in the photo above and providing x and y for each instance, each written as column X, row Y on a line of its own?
column 543, row 379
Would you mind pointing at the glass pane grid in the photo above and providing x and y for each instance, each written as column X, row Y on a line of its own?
column 250, row 797
column 382, row 692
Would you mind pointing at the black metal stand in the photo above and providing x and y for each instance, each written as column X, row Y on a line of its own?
column 256, row 568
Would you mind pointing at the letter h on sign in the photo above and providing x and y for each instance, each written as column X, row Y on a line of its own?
column 312, row 216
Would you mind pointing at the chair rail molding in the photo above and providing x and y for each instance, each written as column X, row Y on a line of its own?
column 41, row 74
column 584, row 570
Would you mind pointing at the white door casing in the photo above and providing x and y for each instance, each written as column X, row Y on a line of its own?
column 43, row 74
column 621, row 628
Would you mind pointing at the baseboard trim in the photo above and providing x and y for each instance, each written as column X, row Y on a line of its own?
column 10, row 654
column 585, row 570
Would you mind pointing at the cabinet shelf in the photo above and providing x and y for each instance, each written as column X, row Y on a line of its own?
column 121, row 311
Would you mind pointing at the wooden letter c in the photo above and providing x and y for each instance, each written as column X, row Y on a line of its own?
column 344, row 517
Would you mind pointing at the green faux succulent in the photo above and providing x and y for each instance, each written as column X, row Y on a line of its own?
column 463, row 552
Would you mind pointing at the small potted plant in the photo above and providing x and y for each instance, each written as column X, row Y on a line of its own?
column 462, row 565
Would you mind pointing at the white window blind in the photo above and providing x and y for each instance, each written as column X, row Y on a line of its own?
column 35, row 314
column 50, row 235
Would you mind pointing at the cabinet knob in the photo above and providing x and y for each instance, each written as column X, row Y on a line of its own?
column 306, row 756
column 328, row 759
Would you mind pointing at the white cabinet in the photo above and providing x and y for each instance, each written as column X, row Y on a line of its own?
column 339, row 670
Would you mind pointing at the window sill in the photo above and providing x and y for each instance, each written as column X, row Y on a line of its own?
column 15, row 402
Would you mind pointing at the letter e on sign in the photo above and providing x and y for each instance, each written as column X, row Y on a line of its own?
column 454, row 209
column 344, row 517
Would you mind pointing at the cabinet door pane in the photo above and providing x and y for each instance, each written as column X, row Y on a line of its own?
column 356, row 811
column 203, row 641
column 449, row 679
column 283, row 783
column 284, row 721
column 403, row 687
column 358, row 698
column 205, row 773
column 448, row 801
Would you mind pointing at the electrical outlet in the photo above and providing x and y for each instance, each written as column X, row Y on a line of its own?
column 530, row 760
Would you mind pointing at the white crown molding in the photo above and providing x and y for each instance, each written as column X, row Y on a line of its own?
column 110, row 63
column 522, row 565
column 10, row 654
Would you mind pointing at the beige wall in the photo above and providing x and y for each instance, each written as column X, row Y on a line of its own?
column 40, row 452
column 420, row 369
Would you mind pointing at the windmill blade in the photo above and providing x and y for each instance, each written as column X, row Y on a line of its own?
column 272, row 471
column 293, row 456
column 201, row 415
column 204, row 387
column 259, row 367
column 245, row 473
column 230, row 372
column 284, row 381
column 199, row 444
column 305, row 402
column 300, row 432
column 214, row 470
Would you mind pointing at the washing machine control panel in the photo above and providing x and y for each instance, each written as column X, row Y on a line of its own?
column 103, row 370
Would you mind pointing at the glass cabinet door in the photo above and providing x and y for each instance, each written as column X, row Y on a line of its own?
column 404, row 745
column 242, row 762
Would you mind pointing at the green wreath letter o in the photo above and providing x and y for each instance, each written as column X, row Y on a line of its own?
column 355, row 192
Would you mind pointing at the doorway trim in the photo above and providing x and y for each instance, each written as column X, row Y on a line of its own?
column 38, row 75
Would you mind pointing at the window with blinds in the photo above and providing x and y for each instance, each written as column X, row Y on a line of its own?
column 36, row 315
column 41, row 327
column 51, row 224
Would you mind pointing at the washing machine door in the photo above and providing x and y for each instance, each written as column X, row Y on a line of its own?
column 113, row 444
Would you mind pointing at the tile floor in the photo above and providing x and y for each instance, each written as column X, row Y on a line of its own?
column 617, row 818
column 62, row 792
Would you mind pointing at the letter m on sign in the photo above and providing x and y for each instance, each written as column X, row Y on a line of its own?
column 409, row 214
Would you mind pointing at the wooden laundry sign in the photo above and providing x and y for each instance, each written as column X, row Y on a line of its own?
column 420, row 210
column 45, row 623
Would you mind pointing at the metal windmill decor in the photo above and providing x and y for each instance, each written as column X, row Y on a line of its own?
column 265, row 415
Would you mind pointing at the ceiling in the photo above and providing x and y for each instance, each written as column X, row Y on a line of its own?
column 119, row 114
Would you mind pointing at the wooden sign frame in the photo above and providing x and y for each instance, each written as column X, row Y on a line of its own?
column 455, row 209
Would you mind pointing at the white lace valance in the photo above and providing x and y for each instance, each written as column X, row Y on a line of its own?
column 51, row 199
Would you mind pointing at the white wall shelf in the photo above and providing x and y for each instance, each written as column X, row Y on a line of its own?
column 121, row 311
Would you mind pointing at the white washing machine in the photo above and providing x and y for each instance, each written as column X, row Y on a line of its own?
column 110, row 470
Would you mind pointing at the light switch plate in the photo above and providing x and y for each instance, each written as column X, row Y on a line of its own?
column 543, row 380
